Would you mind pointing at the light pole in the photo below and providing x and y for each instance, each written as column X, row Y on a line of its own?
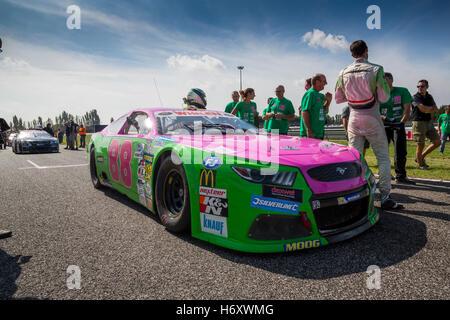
column 240, row 75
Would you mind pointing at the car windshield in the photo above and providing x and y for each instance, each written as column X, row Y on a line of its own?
column 209, row 122
column 34, row 134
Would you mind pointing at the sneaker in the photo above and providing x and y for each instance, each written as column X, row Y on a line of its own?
column 5, row 234
column 423, row 165
column 390, row 204
column 404, row 180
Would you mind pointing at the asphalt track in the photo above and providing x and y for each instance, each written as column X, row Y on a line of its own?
column 58, row 219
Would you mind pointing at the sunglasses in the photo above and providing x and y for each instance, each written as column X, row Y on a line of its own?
column 421, row 86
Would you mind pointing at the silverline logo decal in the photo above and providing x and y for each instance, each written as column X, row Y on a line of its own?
column 274, row 204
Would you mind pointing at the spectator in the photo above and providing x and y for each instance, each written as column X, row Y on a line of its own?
column 422, row 126
column 82, row 133
column 232, row 104
column 60, row 135
column 246, row 109
column 345, row 115
column 279, row 112
column 49, row 129
column 74, row 132
column 397, row 110
column 266, row 122
column 307, row 87
column 68, row 134
column 444, row 128
column 314, row 108
column 363, row 85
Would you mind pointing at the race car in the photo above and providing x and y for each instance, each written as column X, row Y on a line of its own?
column 223, row 181
column 34, row 141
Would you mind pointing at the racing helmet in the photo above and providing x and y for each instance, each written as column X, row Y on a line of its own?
column 196, row 98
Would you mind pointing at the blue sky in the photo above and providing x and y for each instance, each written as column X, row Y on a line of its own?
column 127, row 50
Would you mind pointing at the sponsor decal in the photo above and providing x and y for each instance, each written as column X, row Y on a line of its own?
column 219, row 193
column 214, row 224
column 282, row 193
column 141, row 172
column 148, row 158
column 315, row 204
column 198, row 113
column 100, row 159
column 300, row 245
column 168, row 139
column 207, row 178
column 142, row 199
column 289, row 148
column 213, row 205
column 148, row 148
column 139, row 150
column 212, row 162
column 347, row 199
column 149, row 202
column 158, row 143
column 274, row 204
column 148, row 190
column 164, row 113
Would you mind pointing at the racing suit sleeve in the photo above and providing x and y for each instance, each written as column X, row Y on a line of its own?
column 383, row 91
column 339, row 92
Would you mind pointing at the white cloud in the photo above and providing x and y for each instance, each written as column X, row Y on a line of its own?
column 188, row 63
column 318, row 38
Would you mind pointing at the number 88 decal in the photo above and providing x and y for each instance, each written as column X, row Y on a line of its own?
column 122, row 170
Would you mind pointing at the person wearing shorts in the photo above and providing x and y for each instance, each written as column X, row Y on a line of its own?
column 422, row 126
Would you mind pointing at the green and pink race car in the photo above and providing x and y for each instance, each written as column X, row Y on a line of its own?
column 215, row 176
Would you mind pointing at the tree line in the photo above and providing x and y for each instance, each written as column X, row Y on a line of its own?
column 90, row 118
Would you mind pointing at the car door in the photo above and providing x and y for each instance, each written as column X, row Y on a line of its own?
column 130, row 158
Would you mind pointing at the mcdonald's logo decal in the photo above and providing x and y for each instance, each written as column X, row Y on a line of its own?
column 207, row 178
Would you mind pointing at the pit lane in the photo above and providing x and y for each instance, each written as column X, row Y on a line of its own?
column 59, row 220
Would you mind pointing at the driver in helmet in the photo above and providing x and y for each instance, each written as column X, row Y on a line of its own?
column 195, row 100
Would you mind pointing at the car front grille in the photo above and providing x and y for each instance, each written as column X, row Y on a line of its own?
column 338, row 212
column 335, row 172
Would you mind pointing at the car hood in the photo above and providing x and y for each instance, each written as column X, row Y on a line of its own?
column 38, row 139
column 302, row 153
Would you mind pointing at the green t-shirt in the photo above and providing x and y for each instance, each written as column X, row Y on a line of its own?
column 313, row 102
column 230, row 106
column 445, row 126
column 283, row 106
column 393, row 108
column 246, row 112
column 266, row 122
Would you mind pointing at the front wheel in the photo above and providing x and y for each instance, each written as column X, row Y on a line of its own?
column 93, row 170
column 172, row 196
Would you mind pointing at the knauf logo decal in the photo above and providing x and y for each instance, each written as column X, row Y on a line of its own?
column 214, row 224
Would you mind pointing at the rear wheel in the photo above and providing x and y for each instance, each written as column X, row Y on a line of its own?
column 93, row 170
column 172, row 196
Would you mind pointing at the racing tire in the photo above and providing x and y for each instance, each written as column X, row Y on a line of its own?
column 172, row 196
column 93, row 171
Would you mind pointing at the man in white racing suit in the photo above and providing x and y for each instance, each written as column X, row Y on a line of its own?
column 363, row 85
